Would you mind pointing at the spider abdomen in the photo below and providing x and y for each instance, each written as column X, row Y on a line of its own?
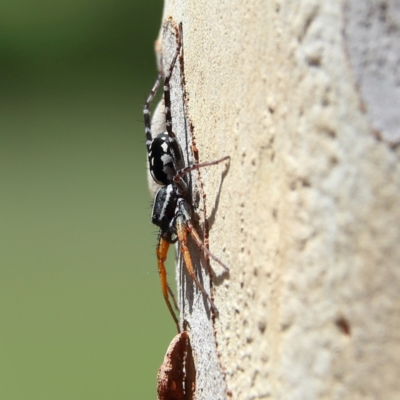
column 165, row 158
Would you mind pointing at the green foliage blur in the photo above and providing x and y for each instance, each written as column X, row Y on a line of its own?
column 81, row 311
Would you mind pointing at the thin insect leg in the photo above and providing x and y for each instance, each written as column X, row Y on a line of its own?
column 171, row 293
column 192, row 167
column 146, row 111
column 167, row 95
column 181, row 231
column 200, row 243
column 162, row 250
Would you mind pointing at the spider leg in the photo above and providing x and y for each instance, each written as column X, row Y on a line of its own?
column 181, row 231
column 199, row 242
column 171, row 293
column 146, row 111
column 167, row 96
column 162, row 250
column 184, row 171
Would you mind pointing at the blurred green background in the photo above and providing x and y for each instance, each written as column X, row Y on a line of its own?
column 81, row 310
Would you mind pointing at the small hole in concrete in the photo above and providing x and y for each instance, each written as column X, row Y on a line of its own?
column 344, row 326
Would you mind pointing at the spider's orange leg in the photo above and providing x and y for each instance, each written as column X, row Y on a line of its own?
column 171, row 293
column 181, row 230
column 162, row 250
column 199, row 243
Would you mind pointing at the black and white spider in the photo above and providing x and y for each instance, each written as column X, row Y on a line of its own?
column 172, row 211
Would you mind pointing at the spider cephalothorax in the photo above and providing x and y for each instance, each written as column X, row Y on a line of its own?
column 172, row 211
